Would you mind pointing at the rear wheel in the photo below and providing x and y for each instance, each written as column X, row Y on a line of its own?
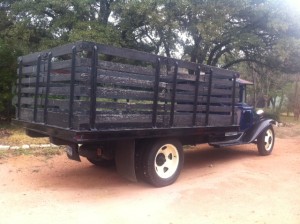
column 265, row 141
column 163, row 162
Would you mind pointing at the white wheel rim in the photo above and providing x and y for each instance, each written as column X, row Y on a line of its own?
column 166, row 161
column 268, row 140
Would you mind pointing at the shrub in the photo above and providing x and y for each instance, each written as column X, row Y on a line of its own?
column 272, row 115
column 8, row 75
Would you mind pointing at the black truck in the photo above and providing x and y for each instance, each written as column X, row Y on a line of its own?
column 133, row 109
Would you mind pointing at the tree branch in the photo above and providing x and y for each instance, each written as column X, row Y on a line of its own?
column 243, row 60
column 215, row 49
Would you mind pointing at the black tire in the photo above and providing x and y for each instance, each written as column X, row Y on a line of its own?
column 265, row 141
column 162, row 162
column 101, row 162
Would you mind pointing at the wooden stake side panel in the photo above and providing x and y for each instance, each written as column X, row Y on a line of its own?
column 56, row 89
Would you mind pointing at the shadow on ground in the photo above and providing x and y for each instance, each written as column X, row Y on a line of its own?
column 64, row 173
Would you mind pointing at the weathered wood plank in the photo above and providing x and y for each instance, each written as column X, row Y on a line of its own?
column 26, row 114
column 126, row 53
column 29, row 69
column 113, row 93
column 27, row 100
column 125, row 79
column 179, row 120
column 223, row 82
column 202, row 108
column 219, row 71
column 221, row 74
column 56, row 52
column 187, row 98
column 134, row 107
column 125, row 68
column 203, row 89
column 62, row 91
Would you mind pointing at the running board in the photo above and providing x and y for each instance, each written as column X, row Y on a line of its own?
column 232, row 142
column 227, row 143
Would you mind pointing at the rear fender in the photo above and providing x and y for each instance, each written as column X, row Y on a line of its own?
column 252, row 133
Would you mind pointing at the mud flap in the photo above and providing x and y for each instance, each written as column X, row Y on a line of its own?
column 124, row 157
column 71, row 148
column 72, row 152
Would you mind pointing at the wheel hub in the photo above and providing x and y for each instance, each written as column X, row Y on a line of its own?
column 268, row 140
column 166, row 161
column 160, row 159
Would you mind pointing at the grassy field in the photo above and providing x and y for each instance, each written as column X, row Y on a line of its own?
column 45, row 152
column 15, row 136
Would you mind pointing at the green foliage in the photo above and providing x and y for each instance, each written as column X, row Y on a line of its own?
column 94, row 31
column 8, row 67
column 275, row 115
column 250, row 36
column 149, row 25
column 221, row 33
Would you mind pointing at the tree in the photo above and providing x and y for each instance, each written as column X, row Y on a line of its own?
column 149, row 25
column 48, row 23
column 245, row 35
column 8, row 67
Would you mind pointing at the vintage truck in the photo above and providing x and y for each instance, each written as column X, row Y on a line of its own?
column 133, row 109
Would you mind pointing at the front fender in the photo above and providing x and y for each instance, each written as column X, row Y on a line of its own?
column 252, row 133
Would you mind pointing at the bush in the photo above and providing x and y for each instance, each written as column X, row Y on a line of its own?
column 272, row 115
column 8, row 76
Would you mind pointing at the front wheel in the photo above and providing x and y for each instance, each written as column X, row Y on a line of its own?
column 163, row 162
column 265, row 141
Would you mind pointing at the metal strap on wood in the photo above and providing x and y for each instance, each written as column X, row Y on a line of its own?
column 19, row 88
column 72, row 85
column 173, row 97
column 156, row 89
column 47, row 88
column 208, row 97
column 196, row 95
column 93, row 91
column 38, row 71
column 233, row 98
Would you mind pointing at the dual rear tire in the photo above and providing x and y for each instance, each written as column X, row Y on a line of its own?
column 158, row 162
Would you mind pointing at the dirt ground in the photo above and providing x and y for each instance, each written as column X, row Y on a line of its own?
column 230, row 185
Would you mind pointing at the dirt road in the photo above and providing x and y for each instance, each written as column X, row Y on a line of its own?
column 231, row 185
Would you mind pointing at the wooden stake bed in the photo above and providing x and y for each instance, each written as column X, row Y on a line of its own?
column 89, row 87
